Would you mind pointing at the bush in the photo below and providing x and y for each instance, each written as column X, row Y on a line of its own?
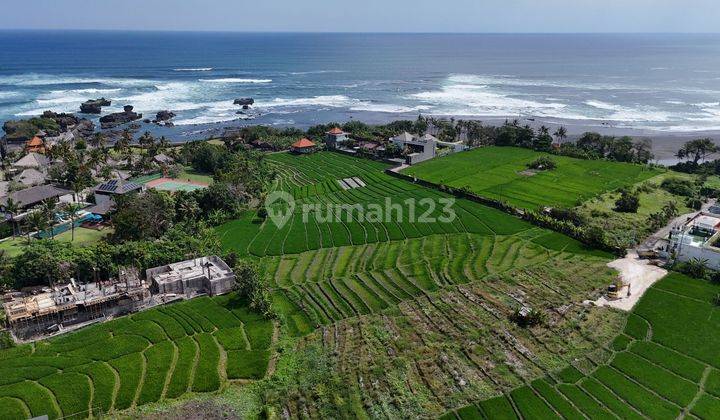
column 694, row 203
column 629, row 202
column 694, row 268
column 679, row 186
column 542, row 163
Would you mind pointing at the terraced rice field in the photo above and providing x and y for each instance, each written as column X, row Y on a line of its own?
column 664, row 365
column 195, row 346
column 501, row 173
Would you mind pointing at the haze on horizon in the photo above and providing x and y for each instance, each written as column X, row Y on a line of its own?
column 509, row 16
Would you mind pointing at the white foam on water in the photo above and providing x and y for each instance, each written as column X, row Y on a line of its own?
column 195, row 69
column 332, row 101
column 236, row 80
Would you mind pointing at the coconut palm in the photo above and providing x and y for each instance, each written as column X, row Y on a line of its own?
column 11, row 209
column 560, row 134
column 36, row 222
column 48, row 210
column 72, row 209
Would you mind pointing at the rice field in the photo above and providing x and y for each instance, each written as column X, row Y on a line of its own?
column 658, row 368
column 166, row 352
column 501, row 173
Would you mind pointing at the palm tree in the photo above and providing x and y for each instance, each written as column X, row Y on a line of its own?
column 48, row 210
column 36, row 222
column 72, row 209
column 98, row 140
column 560, row 134
column 11, row 208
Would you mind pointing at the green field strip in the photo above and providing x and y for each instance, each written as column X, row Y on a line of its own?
column 38, row 399
column 200, row 319
column 170, row 326
column 498, row 408
column 103, row 381
column 72, row 391
column 611, row 401
column 14, row 408
column 637, row 327
column 635, row 395
column 303, row 303
column 184, row 367
column 318, row 310
column 217, row 315
column 368, row 297
column 530, row 405
column 159, row 359
column 669, row 359
column 295, row 319
column 286, row 265
column 232, row 338
column 299, row 270
column 559, row 403
column 317, row 295
column 129, row 368
column 247, row 364
column 114, row 347
column 655, row 378
column 369, row 283
column 390, row 285
column 351, row 297
column 207, row 376
column 707, row 407
column 337, row 302
column 585, row 402
column 11, row 375
column 181, row 317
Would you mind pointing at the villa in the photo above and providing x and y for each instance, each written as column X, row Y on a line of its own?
column 698, row 238
column 336, row 137
column 416, row 149
column 303, row 146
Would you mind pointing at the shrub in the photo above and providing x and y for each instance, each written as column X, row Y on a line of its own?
column 694, row 203
column 679, row 186
column 542, row 163
column 629, row 202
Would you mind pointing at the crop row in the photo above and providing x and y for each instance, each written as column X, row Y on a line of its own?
column 656, row 374
column 160, row 353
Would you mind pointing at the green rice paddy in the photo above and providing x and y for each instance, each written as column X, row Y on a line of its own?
column 665, row 365
column 500, row 173
column 166, row 352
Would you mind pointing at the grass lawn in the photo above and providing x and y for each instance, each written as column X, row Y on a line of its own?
column 84, row 236
column 501, row 173
column 13, row 246
column 192, row 175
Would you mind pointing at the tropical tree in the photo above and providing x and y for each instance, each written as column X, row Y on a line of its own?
column 36, row 221
column 560, row 134
column 11, row 208
column 73, row 209
column 48, row 211
column 697, row 150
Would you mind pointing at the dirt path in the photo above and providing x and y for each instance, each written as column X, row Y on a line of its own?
column 636, row 273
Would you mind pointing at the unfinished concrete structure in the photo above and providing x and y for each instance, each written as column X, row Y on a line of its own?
column 205, row 275
column 47, row 310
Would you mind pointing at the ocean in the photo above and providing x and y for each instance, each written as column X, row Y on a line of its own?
column 658, row 83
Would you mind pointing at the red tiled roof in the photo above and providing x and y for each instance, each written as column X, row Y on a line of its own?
column 303, row 143
column 35, row 141
column 335, row 130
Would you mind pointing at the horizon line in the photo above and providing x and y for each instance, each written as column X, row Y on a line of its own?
column 348, row 32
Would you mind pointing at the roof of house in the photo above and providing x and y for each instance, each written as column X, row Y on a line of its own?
column 33, row 195
column 163, row 158
column 336, row 131
column 31, row 160
column 303, row 143
column 103, row 208
column 117, row 186
column 30, row 176
column 428, row 137
column 404, row 137
column 35, row 141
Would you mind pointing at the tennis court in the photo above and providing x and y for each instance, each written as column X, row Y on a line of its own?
column 170, row 184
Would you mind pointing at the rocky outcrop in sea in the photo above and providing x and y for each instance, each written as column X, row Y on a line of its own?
column 94, row 106
column 119, row 118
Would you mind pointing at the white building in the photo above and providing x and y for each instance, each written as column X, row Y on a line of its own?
column 417, row 149
column 696, row 239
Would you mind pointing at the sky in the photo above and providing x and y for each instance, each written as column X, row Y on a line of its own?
column 366, row 15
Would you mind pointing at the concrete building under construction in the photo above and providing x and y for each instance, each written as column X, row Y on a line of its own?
column 205, row 275
column 49, row 310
